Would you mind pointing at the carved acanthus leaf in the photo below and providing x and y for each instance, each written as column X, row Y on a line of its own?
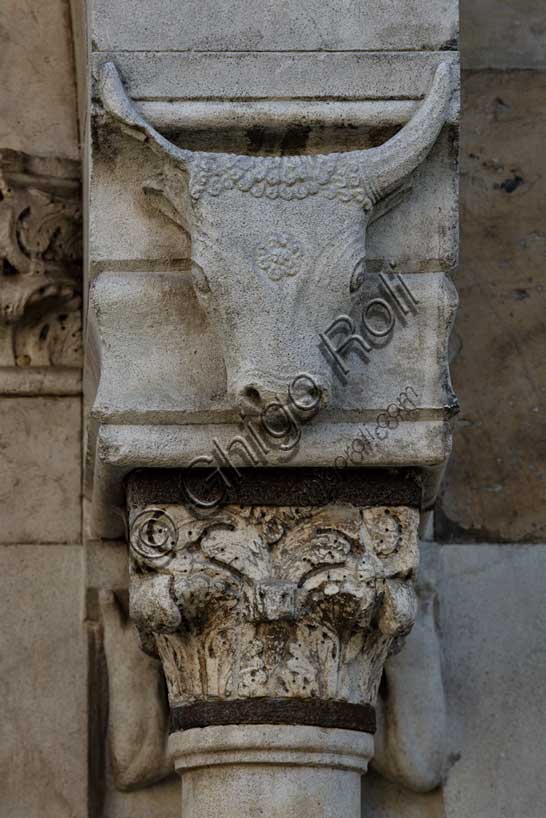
column 40, row 261
column 278, row 601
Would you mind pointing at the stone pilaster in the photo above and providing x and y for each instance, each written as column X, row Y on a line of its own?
column 274, row 280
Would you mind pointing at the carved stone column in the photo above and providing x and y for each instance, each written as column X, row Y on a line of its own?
column 270, row 243
column 272, row 624
column 281, row 771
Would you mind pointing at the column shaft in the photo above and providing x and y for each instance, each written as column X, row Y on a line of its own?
column 271, row 771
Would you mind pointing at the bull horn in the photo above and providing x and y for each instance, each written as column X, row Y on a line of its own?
column 117, row 104
column 387, row 165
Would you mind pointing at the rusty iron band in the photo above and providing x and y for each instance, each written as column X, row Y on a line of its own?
column 311, row 712
column 277, row 486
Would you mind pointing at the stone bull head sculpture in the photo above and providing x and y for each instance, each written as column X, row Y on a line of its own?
column 278, row 242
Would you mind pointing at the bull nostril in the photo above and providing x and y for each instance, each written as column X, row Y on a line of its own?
column 305, row 394
column 252, row 395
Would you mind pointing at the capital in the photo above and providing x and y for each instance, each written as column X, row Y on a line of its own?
column 265, row 614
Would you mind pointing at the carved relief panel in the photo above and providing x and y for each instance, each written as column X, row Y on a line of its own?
column 41, row 260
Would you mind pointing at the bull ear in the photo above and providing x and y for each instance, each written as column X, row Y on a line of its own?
column 120, row 107
column 168, row 193
column 388, row 165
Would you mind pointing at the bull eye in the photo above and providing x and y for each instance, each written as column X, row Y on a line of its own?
column 200, row 281
column 357, row 276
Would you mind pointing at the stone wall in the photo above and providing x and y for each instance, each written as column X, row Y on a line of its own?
column 43, row 643
column 495, row 487
column 38, row 105
column 491, row 598
column 490, row 521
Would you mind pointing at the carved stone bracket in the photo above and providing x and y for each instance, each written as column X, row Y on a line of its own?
column 272, row 233
column 40, row 261
column 277, row 260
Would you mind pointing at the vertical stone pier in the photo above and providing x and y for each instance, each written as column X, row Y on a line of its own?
column 272, row 624
column 272, row 226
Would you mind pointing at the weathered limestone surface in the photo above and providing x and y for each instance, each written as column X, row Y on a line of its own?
column 106, row 568
column 40, row 266
column 273, row 602
column 411, row 706
column 245, row 583
column 137, row 236
column 252, row 285
column 493, row 624
column 237, row 77
column 286, row 771
column 262, row 611
column 506, row 35
column 162, row 799
column 381, row 797
column 492, row 612
column 40, row 208
column 494, row 616
column 403, row 236
column 412, row 739
column 43, row 746
column 492, row 620
column 495, row 488
column 43, row 753
column 385, row 799
column 40, row 470
column 38, row 103
column 134, row 315
column 243, row 26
